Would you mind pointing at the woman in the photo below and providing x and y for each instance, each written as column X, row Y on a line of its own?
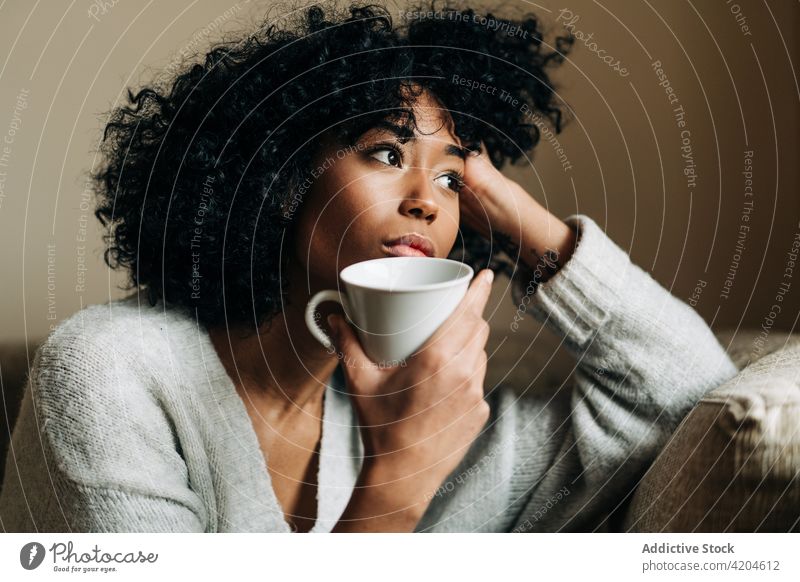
column 202, row 403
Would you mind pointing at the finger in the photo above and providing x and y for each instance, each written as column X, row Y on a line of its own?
column 481, row 162
column 478, row 293
column 471, row 306
column 355, row 363
column 474, row 348
column 480, row 151
column 480, row 336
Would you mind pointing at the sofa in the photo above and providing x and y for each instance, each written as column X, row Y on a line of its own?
column 732, row 465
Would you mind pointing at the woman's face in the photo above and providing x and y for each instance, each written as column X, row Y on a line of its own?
column 384, row 188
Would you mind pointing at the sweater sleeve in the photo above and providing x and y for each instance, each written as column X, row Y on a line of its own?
column 643, row 360
column 94, row 450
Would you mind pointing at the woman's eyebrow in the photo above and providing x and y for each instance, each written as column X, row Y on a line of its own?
column 404, row 134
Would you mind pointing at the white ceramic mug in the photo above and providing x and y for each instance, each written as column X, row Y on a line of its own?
column 395, row 303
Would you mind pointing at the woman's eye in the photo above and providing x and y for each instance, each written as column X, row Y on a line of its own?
column 388, row 156
column 452, row 182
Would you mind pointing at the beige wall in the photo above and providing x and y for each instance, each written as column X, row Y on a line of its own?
column 64, row 68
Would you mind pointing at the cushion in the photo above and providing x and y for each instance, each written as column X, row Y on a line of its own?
column 733, row 464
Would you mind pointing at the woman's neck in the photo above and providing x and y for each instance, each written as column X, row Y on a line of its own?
column 282, row 366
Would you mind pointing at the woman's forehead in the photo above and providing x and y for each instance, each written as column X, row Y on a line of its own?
column 431, row 122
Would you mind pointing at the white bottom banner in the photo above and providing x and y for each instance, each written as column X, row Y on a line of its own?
column 389, row 557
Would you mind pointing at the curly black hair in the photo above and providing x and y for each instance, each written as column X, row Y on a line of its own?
column 196, row 179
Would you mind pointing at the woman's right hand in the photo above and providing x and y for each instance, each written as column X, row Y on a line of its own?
column 418, row 420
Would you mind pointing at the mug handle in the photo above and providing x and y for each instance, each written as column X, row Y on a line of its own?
column 311, row 309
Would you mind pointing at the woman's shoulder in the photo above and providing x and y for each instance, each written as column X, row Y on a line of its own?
column 99, row 374
column 120, row 321
column 127, row 330
column 105, row 346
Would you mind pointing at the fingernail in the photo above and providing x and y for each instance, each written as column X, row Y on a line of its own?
column 488, row 276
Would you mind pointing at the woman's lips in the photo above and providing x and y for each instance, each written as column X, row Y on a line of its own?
column 411, row 244
column 401, row 250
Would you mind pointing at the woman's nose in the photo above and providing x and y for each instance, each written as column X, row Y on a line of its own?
column 420, row 203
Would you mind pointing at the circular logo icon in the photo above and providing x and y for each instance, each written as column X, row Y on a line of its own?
column 31, row 555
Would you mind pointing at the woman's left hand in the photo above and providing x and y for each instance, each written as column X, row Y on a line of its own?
column 501, row 210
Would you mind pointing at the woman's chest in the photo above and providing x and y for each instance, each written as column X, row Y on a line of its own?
column 292, row 454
